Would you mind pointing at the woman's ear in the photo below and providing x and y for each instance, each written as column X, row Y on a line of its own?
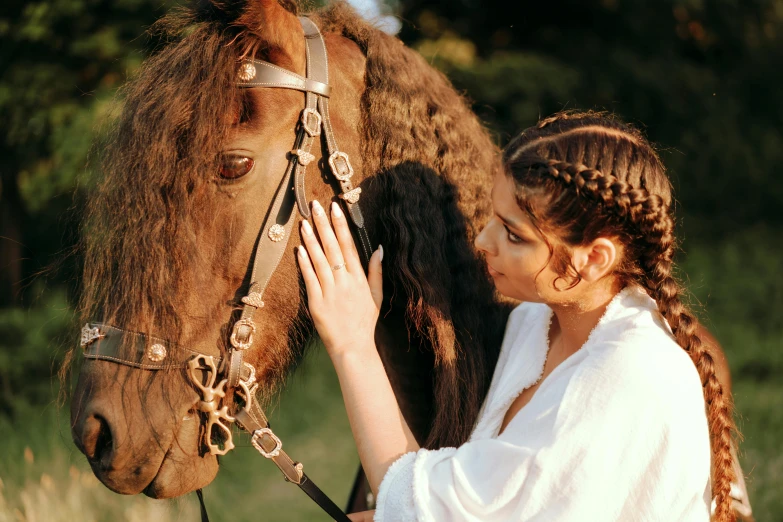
column 597, row 259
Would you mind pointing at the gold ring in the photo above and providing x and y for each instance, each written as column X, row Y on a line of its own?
column 335, row 268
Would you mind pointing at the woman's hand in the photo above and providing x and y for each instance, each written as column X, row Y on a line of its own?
column 362, row 516
column 343, row 302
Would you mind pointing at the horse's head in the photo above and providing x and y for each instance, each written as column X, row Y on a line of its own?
column 191, row 187
column 191, row 175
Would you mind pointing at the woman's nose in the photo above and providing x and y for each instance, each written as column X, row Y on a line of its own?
column 483, row 241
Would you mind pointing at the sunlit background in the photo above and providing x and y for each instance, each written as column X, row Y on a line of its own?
column 701, row 77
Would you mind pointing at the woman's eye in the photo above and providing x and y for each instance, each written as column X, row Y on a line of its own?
column 513, row 237
column 233, row 167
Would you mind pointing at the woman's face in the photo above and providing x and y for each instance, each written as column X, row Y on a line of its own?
column 517, row 255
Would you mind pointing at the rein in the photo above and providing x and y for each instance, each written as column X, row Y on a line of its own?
column 227, row 385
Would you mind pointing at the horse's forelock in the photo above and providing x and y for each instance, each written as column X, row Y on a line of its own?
column 150, row 208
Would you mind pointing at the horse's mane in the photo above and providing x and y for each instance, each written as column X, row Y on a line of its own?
column 433, row 164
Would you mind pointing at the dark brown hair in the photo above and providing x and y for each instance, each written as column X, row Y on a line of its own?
column 581, row 176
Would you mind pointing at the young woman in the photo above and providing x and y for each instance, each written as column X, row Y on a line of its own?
column 604, row 404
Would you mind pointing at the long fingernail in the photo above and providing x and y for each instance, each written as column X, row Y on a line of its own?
column 380, row 249
column 318, row 210
column 301, row 251
column 306, row 228
column 336, row 212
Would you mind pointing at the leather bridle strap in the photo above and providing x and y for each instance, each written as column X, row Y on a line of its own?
column 105, row 342
column 276, row 233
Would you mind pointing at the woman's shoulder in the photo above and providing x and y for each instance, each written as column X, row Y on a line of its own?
column 640, row 355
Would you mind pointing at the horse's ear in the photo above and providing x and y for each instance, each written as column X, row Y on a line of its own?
column 278, row 31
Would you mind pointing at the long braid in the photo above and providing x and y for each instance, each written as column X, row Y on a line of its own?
column 649, row 216
column 663, row 287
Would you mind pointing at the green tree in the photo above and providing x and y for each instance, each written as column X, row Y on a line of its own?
column 703, row 77
column 60, row 63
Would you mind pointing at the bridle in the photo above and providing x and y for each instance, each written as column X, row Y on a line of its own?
column 227, row 385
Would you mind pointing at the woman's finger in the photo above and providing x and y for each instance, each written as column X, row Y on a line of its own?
column 375, row 276
column 313, row 286
column 322, row 267
column 345, row 239
column 362, row 516
column 331, row 248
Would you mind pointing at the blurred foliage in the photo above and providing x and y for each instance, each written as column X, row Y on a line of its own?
column 702, row 78
column 60, row 64
column 30, row 351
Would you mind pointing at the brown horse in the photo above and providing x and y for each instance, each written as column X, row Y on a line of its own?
column 189, row 174
column 171, row 231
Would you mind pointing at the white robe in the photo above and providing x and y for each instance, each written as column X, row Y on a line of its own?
column 618, row 431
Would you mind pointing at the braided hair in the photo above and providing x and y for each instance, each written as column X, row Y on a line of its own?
column 584, row 175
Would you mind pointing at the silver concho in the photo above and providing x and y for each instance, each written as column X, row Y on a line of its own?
column 247, row 72
column 156, row 353
column 276, row 233
column 90, row 335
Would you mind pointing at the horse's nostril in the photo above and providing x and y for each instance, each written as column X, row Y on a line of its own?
column 97, row 439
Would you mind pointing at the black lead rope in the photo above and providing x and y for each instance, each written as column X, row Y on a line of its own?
column 308, row 487
column 200, row 495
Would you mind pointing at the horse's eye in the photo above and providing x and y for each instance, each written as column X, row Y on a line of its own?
column 233, row 167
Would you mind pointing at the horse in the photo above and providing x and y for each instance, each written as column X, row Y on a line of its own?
column 169, row 234
column 190, row 172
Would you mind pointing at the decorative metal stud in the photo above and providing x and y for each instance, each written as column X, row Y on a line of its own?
column 211, row 397
column 156, row 353
column 276, row 233
column 90, row 335
column 341, row 166
column 303, row 156
column 247, row 72
column 352, row 196
column 253, row 299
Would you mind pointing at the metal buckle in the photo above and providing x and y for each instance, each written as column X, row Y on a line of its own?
column 247, row 343
column 344, row 171
column 255, row 441
column 211, row 396
column 315, row 130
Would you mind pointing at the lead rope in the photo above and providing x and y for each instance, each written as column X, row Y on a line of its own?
column 204, row 515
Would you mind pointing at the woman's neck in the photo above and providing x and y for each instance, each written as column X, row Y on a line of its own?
column 574, row 321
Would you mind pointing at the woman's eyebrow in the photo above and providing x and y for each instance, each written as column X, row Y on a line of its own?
column 509, row 221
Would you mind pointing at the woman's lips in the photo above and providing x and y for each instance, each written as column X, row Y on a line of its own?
column 492, row 271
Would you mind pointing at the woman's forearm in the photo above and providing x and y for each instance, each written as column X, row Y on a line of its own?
column 377, row 423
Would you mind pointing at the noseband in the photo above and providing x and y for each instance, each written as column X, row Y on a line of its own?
column 227, row 385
